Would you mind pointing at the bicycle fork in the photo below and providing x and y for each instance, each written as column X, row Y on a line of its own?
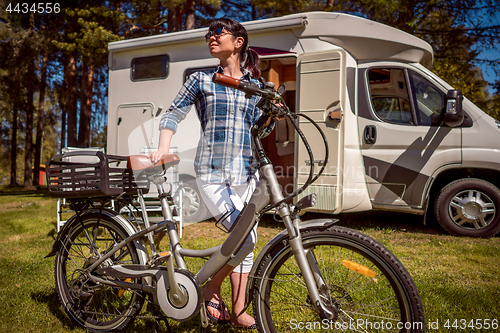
column 305, row 259
column 308, row 266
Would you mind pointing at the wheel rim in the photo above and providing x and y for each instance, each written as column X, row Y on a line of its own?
column 85, row 300
column 472, row 209
column 191, row 202
column 373, row 299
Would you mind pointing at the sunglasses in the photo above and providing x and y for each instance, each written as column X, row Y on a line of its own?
column 217, row 33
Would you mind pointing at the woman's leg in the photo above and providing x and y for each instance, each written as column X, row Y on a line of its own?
column 219, row 198
column 238, row 286
column 211, row 292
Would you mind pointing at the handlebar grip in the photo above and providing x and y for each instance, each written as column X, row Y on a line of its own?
column 225, row 80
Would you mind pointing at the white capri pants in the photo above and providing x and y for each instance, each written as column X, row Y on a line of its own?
column 221, row 198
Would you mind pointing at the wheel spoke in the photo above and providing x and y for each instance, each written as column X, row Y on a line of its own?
column 489, row 205
column 480, row 222
column 92, row 306
column 457, row 203
column 349, row 295
column 459, row 216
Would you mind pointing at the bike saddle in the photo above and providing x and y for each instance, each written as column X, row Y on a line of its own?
column 143, row 163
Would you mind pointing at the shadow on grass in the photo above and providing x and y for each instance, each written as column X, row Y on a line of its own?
column 51, row 300
column 193, row 325
column 383, row 220
column 40, row 191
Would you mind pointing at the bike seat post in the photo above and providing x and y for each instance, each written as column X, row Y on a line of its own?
column 145, row 219
column 175, row 245
column 165, row 207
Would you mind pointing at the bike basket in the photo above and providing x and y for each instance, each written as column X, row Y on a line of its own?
column 87, row 174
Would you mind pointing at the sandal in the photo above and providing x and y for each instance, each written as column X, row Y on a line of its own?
column 221, row 307
column 251, row 327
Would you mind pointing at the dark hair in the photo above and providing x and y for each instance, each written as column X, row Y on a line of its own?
column 249, row 58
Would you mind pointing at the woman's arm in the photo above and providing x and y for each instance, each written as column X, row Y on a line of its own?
column 175, row 114
column 164, row 145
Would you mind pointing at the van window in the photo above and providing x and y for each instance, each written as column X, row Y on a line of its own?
column 149, row 68
column 389, row 95
column 430, row 100
column 190, row 71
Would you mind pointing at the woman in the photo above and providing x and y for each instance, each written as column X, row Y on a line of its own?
column 225, row 163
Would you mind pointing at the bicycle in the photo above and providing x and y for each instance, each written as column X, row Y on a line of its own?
column 313, row 275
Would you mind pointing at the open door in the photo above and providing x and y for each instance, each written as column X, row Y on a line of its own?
column 321, row 82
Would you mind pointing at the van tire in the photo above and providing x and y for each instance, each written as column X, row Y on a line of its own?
column 194, row 208
column 469, row 207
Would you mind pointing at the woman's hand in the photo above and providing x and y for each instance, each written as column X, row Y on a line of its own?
column 164, row 146
column 157, row 156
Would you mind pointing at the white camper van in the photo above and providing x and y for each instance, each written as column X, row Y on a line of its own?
column 400, row 138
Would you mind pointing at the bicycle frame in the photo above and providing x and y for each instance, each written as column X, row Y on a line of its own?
column 267, row 194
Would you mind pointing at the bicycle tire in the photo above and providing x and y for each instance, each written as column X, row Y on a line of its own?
column 359, row 302
column 81, row 298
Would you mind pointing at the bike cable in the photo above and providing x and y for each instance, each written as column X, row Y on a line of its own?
column 311, row 179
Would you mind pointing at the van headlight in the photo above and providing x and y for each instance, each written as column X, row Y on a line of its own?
column 498, row 124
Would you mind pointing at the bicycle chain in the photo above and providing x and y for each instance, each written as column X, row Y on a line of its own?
column 128, row 316
column 120, row 315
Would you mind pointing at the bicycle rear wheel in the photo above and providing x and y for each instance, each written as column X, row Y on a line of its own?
column 97, row 308
column 366, row 287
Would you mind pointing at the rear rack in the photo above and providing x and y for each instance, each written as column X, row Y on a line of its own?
column 91, row 174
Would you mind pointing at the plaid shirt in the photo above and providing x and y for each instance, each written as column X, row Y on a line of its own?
column 225, row 151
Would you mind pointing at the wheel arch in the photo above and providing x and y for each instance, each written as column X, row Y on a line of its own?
column 445, row 177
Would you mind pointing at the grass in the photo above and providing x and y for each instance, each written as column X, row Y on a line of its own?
column 457, row 276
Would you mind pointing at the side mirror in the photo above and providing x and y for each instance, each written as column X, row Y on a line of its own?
column 454, row 116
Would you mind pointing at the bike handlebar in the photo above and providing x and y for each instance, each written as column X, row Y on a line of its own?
column 225, row 80
column 245, row 86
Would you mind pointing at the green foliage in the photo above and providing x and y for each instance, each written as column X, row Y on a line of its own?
column 494, row 105
column 454, row 56
column 279, row 8
column 91, row 31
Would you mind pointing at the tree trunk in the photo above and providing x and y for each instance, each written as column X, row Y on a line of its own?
column 63, row 130
column 173, row 19
column 62, row 98
column 28, row 150
column 39, row 127
column 86, row 104
column 71, row 100
column 30, row 81
column 190, row 17
column 13, row 146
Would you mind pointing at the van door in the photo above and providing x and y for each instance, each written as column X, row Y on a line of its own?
column 321, row 82
column 135, row 128
column 403, row 141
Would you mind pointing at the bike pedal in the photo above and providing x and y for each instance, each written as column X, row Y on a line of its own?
column 164, row 254
column 161, row 257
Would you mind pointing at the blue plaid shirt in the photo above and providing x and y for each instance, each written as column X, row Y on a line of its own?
column 225, row 151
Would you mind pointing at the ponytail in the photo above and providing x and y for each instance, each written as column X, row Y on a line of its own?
column 252, row 63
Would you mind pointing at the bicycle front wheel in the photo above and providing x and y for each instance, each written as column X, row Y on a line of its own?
column 363, row 284
column 98, row 308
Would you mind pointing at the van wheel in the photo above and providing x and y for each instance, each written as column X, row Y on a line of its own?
column 193, row 208
column 469, row 207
